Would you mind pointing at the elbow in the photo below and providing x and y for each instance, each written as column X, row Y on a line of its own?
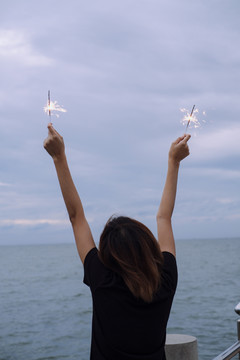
column 72, row 215
column 163, row 216
column 74, row 218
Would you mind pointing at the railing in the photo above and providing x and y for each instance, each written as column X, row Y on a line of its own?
column 235, row 348
column 230, row 352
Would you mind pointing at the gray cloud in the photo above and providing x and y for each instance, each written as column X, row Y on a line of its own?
column 122, row 70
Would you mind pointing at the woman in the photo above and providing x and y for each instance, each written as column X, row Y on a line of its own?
column 132, row 277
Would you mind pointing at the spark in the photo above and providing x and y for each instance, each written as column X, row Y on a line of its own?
column 52, row 107
column 190, row 118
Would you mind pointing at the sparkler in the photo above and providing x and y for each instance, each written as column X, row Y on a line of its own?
column 49, row 105
column 190, row 117
column 52, row 107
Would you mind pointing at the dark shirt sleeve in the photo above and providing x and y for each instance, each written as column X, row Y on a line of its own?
column 89, row 265
column 170, row 274
column 95, row 273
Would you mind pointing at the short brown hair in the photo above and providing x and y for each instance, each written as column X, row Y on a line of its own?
column 130, row 249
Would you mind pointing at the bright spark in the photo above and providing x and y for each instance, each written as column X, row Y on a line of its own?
column 52, row 107
column 190, row 118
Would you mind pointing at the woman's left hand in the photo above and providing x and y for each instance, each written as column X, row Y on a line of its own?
column 54, row 143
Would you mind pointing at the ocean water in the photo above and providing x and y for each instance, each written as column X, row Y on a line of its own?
column 45, row 309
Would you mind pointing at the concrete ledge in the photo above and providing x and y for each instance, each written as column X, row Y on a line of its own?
column 181, row 347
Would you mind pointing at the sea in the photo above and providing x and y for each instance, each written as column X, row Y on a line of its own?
column 46, row 310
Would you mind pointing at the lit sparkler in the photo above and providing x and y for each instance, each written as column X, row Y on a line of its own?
column 49, row 104
column 190, row 118
column 52, row 107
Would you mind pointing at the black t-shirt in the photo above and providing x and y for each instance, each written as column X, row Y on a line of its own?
column 124, row 327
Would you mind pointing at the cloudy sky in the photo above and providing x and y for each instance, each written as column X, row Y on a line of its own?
column 122, row 69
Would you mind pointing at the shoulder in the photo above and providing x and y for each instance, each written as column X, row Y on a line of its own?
column 169, row 259
column 169, row 270
column 91, row 260
column 91, row 255
column 94, row 270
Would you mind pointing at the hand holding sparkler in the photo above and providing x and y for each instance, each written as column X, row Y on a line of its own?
column 179, row 149
column 54, row 144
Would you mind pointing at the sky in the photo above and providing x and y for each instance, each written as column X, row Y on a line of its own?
column 122, row 70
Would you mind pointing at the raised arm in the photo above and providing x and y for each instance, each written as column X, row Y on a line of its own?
column 54, row 145
column 178, row 151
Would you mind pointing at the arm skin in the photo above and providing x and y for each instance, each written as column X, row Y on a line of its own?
column 178, row 151
column 54, row 145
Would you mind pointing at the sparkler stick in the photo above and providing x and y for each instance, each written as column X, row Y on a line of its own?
column 190, row 117
column 49, row 105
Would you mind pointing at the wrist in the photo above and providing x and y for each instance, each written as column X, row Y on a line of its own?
column 173, row 162
column 59, row 158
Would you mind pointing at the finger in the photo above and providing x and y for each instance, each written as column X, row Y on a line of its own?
column 180, row 138
column 45, row 143
column 186, row 138
column 57, row 133
column 51, row 130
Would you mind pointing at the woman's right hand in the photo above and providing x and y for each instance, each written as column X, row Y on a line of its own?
column 54, row 143
column 179, row 149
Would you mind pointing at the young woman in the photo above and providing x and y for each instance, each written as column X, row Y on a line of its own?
column 133, row 276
